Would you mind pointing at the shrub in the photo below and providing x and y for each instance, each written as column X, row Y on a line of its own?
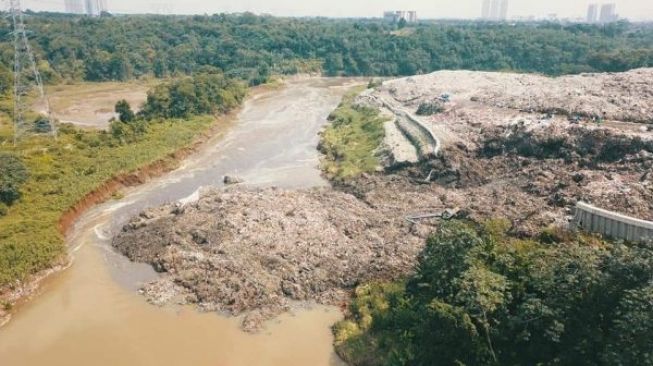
column 373, row 84
column 42, row 124
column 124, row 111
column 430, row 108
column 13, row 174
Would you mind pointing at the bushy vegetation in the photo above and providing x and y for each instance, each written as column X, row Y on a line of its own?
column 350, row 141
column 205, row 93
column 64, row 171
column 125, row 112
column 430, row 108
column 251, row 47
column 13, row 174
column 61, row 173
column 483, row 297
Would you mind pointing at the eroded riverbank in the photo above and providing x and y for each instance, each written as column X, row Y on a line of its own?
column 91, row 313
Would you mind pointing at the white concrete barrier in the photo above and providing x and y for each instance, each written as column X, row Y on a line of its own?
column 432, row 144
column 612, row 224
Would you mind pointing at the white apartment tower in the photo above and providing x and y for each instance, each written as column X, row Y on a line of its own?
column 410, row 16
column 593, row 13
column 608, row 13
column 95, row 7
column 503, row 10
column 494, row 10
column 485, row 11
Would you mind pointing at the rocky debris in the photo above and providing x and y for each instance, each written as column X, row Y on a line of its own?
column 532, row 179
column 624, row 96
column 255, row 252
column 523, row 147
column 506, row 153
column 231, row 180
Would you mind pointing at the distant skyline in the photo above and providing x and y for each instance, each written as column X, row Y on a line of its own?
column 466, row 9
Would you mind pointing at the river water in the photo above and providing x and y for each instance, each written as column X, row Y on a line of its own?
column 91, row 314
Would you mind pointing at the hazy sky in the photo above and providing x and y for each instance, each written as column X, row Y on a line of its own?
column 632, row 9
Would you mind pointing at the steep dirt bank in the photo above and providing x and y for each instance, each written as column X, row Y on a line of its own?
column 11, row 298
column 143, row 174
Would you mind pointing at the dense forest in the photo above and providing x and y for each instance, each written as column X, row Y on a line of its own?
column 557, row 299
column 251, row 47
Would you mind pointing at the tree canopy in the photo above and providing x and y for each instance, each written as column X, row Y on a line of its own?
column 250, row 47
column 204, row 93
column 482, row 297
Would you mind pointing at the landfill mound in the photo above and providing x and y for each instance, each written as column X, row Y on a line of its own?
column 255, row 252
column 523, row 147
column 626, row 96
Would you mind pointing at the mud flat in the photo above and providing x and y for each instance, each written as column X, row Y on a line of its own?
column 92, row 104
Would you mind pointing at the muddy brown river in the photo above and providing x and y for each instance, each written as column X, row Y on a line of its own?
column 92, row 314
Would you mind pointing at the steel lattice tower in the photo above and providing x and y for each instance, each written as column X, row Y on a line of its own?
column 26, row 79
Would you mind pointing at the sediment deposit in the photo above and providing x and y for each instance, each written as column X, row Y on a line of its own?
column 254, row 252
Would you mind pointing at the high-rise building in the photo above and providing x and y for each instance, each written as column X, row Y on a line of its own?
column 397, row 15
column 92, row 8
column 74, row 6
column 593, row 13
column 96, row 7
column 485, row 11
column 503, row 10
column 495, row 10
column 103, row 6
column 608, row 13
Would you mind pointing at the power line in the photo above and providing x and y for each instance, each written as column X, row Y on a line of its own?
column 26, row 79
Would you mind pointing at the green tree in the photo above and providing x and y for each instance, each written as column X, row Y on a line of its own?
column 124, row 111
column 482, row 297
column 630, row 341
column 13, row 174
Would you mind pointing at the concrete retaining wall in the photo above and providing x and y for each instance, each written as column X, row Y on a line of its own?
column 429, row 143
column 612, row 224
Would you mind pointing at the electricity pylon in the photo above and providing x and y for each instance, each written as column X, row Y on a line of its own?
column 26, row 79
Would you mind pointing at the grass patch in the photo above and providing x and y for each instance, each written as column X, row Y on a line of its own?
column 350, row 142
column 360, row 339
column 61, row 173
